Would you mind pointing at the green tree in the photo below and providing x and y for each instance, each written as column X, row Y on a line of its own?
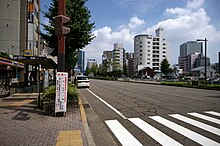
column 165, row 66
column 80, row 29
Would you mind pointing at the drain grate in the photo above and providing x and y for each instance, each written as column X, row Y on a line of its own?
column 86, row 105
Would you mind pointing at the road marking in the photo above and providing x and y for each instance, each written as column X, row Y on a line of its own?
column 122, row 134
column 186, row 132
column 207, row 118
column 213, row 113
column 157, row 135
column 197, row 124
column 106, row 103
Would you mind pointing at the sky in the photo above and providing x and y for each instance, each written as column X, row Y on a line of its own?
column 118, row 21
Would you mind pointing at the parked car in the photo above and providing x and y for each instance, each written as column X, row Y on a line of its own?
column 82, row 81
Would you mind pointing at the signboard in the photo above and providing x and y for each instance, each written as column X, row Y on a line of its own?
column 61, row 91
column 27, row 52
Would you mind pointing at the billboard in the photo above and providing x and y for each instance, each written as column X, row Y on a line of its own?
column 61, row 92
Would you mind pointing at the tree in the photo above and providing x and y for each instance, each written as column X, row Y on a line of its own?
column 165, row 66
column 80, row 29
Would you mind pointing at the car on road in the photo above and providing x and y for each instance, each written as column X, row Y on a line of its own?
column 82, row 81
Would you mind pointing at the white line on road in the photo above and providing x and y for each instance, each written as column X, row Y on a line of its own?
column 106, row 103
column 213, row 113
column 122, row 134
column 207, row 118
column 159, row 136
column 186, row 132
column 197, row 124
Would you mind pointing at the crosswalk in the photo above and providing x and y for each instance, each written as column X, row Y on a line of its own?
column 204, row 121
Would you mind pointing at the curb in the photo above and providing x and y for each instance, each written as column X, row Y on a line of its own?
column 90, row 140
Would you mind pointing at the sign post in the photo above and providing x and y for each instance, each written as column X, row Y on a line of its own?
column 61, row 92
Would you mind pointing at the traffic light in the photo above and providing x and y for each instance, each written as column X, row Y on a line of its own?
column 60, row 29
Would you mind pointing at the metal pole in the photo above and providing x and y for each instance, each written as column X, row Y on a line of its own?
column 205, row 60
column 39, row 72
column 61, row 40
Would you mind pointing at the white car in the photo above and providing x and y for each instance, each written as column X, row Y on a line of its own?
column 82, row 81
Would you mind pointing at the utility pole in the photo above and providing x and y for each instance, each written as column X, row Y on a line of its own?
column 205, row 40
column 60, row 31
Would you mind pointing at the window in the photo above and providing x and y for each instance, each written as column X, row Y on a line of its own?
column 140, row 46
column 140, row 54
column 140, row 62
column 140, row 50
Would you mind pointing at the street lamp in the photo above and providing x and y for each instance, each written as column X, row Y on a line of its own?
column 204, row 40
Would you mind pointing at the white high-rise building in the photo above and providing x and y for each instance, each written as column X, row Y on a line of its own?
column 118, row 56
column 150, row 51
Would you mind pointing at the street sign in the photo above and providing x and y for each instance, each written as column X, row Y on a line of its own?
column 61, row 92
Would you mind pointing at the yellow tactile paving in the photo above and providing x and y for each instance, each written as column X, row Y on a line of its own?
column 82, row 111
column 69, row 138
column 15, row 103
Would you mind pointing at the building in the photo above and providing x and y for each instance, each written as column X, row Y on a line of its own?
column 189, row 51
column 133, row 67
column 199, row 72
column 118, row 55
column 91, row 62
column 19, row 23
column 107, row 61
column 150, row 51
column 190, row 47
column 81, row 61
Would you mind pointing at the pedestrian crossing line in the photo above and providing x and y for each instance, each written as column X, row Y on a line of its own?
column 122, row 134
column 207, row 118
column 197, row 124
column 157, row 135
column 185, row 132
column 213, row 113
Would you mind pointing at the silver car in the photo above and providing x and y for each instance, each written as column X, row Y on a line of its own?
column 82, row 81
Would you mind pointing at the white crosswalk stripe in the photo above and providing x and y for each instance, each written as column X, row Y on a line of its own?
column 204, row 117
column 127, row 139
column 160, row 137
column 186, row 132
column 197, row 124
column 122, row 134
column 213, row 113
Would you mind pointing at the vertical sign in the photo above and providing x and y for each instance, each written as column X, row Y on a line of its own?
column 61, row 92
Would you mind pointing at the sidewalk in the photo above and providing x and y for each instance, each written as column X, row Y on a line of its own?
column 22, row 124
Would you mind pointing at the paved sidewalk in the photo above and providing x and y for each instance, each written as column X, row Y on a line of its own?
column 22, row 124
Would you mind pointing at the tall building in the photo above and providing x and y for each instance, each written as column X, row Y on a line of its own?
column 19, row 23
column 107, row 61
column 81, row 61
column 118, row 56
column 91, row 62
column 190, row 47
column 150, row 51
column 189, row 52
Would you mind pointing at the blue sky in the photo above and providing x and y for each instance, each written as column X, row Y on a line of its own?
column 118, row 21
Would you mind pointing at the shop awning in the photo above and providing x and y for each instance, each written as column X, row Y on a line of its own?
column 45, row 62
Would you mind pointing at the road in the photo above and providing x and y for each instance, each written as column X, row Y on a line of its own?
column 122, row 113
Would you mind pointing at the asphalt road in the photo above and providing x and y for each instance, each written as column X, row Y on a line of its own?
column 122, row 113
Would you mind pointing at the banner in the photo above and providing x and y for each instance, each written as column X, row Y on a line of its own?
column 61, row 91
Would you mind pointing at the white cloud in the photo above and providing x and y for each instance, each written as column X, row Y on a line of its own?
column 135, row 22
column 185, row 24
column 189, row 27
column 194, row 4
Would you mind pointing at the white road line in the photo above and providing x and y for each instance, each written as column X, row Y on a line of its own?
column 122, row 134
column 213, row 113
column 197, row 124
column 186, row 132
column 157, row 135
column 207, row 118
column 106, row 103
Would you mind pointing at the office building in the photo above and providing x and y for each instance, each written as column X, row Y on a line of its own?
column 19, row 23
column 91, row 62
column 118, row 56
column 150, row 51
column 81, row 61
column 107, row 61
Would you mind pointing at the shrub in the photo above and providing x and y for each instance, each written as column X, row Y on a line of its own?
column 50, row 95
